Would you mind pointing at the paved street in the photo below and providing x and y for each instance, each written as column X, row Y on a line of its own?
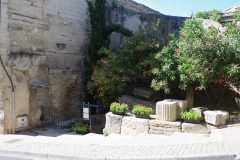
column 61, row 144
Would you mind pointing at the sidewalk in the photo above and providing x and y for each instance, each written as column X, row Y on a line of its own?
column 221, row 144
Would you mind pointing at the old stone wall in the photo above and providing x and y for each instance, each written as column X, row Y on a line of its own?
column 132, row 19
column 132, row 5
column 42, row 46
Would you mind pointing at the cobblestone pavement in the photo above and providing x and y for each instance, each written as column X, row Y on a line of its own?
column 221, row 144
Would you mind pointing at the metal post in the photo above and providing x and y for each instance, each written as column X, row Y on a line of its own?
column 89, row 109
column 54, row 118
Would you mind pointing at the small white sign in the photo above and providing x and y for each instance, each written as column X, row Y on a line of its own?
column 86, row 113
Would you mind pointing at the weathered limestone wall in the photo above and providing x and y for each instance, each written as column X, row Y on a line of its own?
column 5, row 86
column 132, row 5
column 132, row 19
column 58, row 32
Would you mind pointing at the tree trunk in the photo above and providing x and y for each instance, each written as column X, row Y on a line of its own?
column 190, row 97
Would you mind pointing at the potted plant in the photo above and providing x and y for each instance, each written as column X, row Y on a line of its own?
column 191, row 117
column 142, row 111
column 81, row 128
column 118, row 108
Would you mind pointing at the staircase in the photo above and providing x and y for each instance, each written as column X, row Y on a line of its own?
column 141, row 95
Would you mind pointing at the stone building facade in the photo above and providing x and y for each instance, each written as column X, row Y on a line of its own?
column 43, row 43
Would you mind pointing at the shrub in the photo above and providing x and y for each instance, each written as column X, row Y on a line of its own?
column 236, row 16
column 81, row 127
column 118, row 107
column 191, row 115
column 121, row 70
column 214, row 15
column 141, row 109
column 205, row 58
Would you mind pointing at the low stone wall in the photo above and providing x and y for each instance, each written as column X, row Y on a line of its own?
column 134, row 126
column 163, row 127
column 129, row 125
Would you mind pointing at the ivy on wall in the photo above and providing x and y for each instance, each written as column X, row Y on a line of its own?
column 98, row 38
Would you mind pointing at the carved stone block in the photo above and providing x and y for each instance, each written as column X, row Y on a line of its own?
column 196, row 128
column 166, row 111
column 113, row 123
column 216, row 117
column 134, row 126
column 181, row 106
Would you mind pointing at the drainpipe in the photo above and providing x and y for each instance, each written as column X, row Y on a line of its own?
column 13, row 97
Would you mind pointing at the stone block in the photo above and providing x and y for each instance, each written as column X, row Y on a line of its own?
column 134, row 126
column 209, row 126
column 163, row 127
column 181, row 106
column 195, row 128
column 200, row 110
column 166, row 111
column 113, row 123
column 216, row 117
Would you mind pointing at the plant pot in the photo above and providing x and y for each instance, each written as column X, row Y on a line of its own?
column 118, row 113
column 196, row 121
column 142, row 116
column 81, row 132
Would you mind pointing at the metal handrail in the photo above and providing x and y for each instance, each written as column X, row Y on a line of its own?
column 86, row 105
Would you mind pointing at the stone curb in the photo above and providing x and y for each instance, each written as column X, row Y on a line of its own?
column 53, row 156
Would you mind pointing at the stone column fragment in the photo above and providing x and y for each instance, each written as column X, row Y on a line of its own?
column 181, row 106
column 166, row 111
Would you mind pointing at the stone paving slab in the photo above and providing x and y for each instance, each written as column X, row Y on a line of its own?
column 221, row 144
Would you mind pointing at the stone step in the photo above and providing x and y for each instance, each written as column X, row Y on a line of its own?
column 131, row 101
column 146, row 93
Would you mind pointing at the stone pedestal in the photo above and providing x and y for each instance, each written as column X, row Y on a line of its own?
column 166, row 111
column 134, row 126
column 163, row 127
column 195, row 128
column 216, row 118
column 113, row 123
column 200, row 110
column 181, row 106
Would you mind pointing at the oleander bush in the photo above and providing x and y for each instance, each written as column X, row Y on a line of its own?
column 120, row 71
column 205, row 58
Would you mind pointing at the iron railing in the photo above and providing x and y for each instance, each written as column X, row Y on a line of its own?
column 67, row 118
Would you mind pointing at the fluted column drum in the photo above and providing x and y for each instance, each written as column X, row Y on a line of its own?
column 166, row 111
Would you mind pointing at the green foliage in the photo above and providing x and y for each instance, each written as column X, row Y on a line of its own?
column 115, row 4
column 98, row 39
column 81, row 127
column 105, row 134
column 205, row 58
column 118, row 107
column 236, row 16
column 191, row 115
column 112, row 27
column 141, row 109
column 127, row 67
column 213, row 15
